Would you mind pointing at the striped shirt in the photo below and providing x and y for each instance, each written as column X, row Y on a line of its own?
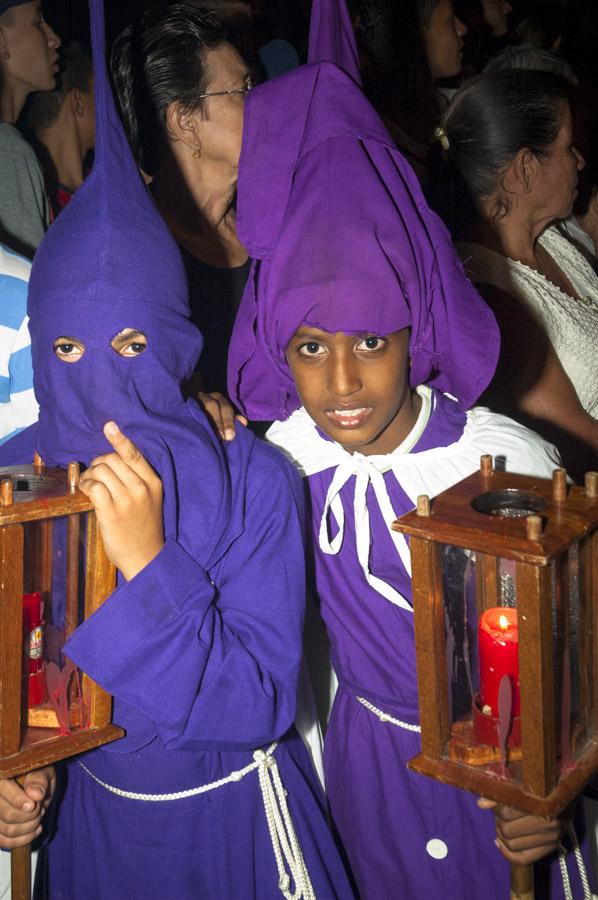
column 18, row 406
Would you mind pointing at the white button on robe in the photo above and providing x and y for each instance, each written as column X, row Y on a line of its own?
column 436, row 848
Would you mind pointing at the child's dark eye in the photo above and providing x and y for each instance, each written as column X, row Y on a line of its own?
column 311, row 348
column 372, row 342
column 68, row 350
column 129, row 342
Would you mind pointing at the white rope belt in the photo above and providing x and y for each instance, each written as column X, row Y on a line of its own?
column 585, row 882
column 386, row 717
column 280, row 825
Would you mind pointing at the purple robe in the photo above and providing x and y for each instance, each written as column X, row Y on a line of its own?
column 405, row 835
column 203, row 665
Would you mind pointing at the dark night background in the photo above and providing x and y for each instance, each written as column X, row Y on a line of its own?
column 290, row 19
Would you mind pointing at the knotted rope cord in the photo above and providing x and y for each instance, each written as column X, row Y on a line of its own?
column 386, row 717
column 587, row 891
column 282, row 833
column 180, row 795
column 280, row 824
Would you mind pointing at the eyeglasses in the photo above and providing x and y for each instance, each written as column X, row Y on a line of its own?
column 244, row 90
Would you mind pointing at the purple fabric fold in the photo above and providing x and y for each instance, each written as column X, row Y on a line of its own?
column 342, row 239
column 331, row 37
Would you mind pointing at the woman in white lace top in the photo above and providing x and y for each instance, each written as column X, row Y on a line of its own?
column 507, row 139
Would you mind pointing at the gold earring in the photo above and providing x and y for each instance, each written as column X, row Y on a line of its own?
column 196, row 153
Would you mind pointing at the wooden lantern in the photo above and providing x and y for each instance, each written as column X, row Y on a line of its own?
column 527, row 547
column 51, row 550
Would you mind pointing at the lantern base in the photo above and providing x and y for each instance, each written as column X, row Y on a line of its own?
column 36, row 753
column 464, row 747
column 487, row 728
column 44, row 715
column 488, row 782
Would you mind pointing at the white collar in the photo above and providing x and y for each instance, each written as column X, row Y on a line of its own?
column 298, row 437
column 427, row 472
column 315, row 454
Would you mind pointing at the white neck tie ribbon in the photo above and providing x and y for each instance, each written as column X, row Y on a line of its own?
column 365, row 474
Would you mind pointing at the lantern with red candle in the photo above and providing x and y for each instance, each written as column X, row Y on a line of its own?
column 42, row 512
column 505, row 601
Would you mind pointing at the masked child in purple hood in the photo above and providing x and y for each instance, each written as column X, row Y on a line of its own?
column 210, row 793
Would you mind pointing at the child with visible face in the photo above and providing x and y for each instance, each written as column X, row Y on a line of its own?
column 361, row 336
column 355, row 387
column 369, row 444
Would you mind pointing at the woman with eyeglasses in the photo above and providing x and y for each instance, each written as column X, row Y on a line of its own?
column 181, row 87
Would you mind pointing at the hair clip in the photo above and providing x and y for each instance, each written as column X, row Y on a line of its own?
column 441, row 136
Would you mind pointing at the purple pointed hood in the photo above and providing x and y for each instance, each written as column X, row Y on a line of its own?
column 331, row 37
column 109, row 263
column 342, row 239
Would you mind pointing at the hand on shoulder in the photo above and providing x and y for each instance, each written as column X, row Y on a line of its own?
column 221, row 413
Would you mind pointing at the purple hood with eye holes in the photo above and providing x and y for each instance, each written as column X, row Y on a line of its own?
column 108, row 263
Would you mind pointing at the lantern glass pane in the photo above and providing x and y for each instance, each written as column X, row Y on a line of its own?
column 53, row 600
column 482, row 656
column 573, row 654
column 460, row 605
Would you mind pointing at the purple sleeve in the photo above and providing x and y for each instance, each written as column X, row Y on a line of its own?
column 212, row 660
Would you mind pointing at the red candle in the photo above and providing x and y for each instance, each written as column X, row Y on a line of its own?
column 34, row 648
column 499, row 656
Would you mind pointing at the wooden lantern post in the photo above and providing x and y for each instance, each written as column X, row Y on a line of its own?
column 529, row 546
column 32, row 501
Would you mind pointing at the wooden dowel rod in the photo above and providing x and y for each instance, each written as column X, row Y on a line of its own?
column 559, row 485
column 20, row 873
column 486, row 465
column 522, row 882
column 73, row 530
column 534, row 528
column 20, row 867
column 591, row 483
column 6, row 493
column 73, row 475
column 423, row 505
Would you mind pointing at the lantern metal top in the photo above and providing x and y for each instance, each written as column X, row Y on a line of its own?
column 489, row 512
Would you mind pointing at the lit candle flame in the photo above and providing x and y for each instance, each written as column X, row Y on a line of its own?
column 503, row 623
